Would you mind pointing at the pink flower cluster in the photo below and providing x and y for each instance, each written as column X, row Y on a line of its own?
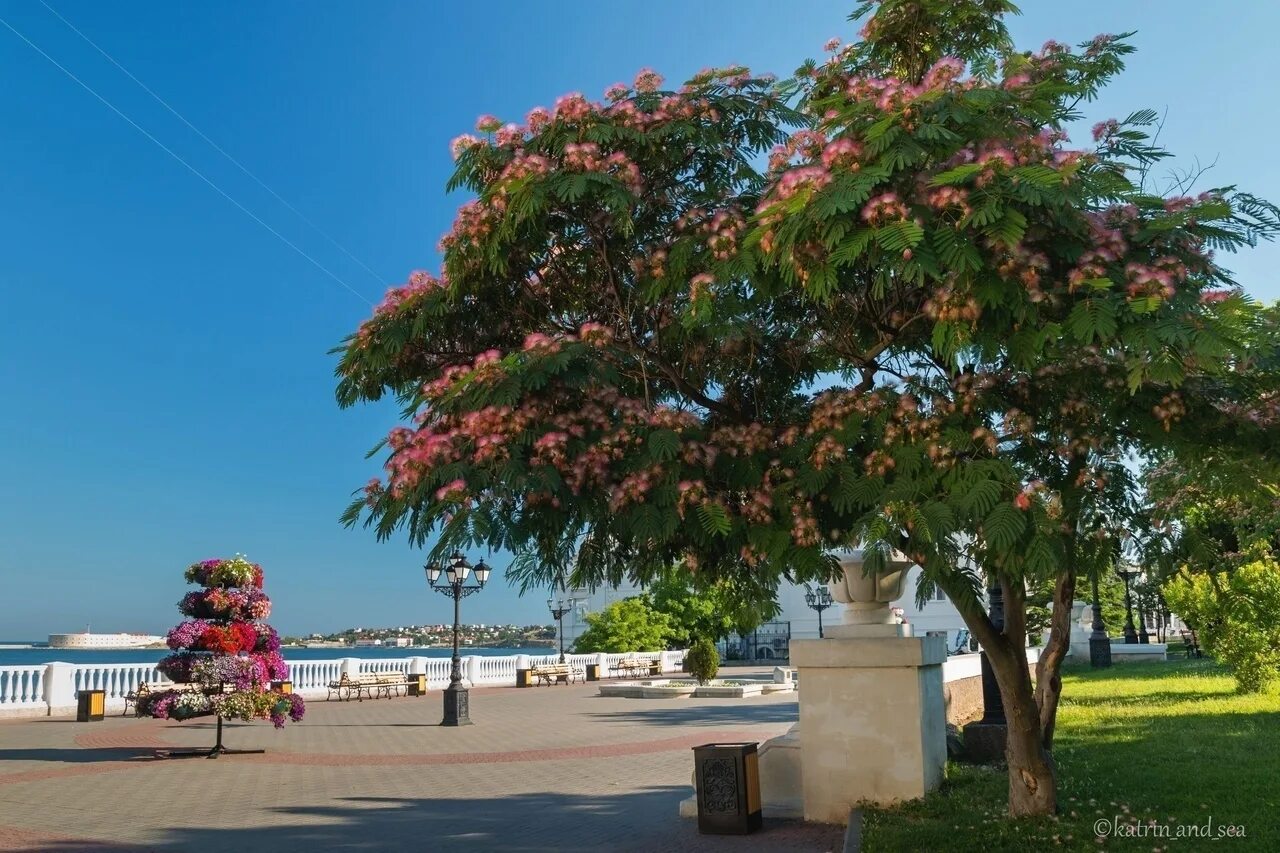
column 586, row 157
column 886, row 207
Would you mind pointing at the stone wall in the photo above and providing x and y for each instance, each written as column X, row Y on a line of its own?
column 963, row 698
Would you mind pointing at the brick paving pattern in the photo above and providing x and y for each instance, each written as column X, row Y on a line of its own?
column 545, row 769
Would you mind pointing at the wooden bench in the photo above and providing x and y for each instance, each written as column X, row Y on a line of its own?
column 552, row 673
column 145, row 689
column 636, row 666
column 372, row 684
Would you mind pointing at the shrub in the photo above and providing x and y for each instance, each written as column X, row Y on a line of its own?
column 702, row 660
column 1237, row 617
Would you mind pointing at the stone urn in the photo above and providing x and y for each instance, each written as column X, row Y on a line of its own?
column 867, row 597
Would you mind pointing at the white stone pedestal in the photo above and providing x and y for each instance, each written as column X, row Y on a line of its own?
column 872, row 721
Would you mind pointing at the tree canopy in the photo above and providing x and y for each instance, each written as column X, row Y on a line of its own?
column 736, row 324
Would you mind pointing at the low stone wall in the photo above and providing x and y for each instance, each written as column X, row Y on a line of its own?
column 962, row 686
column 963, row 698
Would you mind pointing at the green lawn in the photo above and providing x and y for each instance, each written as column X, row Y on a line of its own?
column 1171, row 743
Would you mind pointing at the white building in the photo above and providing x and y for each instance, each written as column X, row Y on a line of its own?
column 795, row 619
column 85, row 640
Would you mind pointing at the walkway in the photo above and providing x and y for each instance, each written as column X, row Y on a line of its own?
column 553, row 768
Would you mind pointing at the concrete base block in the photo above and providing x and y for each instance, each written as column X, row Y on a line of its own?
column 872, row 721
column 868, row 631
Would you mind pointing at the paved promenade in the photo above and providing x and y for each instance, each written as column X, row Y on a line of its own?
column 552, row 768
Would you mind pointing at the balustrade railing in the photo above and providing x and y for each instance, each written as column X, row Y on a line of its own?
column 115, row 679
column 387, row 665
column 437, row 670
column 312, row 675
column 51, row 688
column 22, row 686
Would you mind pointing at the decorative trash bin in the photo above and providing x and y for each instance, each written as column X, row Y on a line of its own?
column 282, row 686
column 91, row 706
column 728, row 776
column 593, row 672
column 417, row 684
column 523, row 679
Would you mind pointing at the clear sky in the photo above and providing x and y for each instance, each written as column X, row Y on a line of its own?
column 165, row 393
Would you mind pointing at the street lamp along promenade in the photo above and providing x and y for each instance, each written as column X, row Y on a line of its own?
column 1130, row 632
column 559, row 609
column 818, row 599
column 451, row 580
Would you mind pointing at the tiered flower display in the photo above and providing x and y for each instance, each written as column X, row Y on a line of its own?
column 224, row 658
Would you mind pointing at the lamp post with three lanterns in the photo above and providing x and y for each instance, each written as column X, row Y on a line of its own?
column 451, row 580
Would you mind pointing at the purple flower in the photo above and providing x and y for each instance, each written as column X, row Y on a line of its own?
column 185, row 634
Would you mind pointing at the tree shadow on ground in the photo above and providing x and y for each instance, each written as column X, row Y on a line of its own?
column 729, row 713
column 527, row 823
column 79, row 755
column 1159, row 697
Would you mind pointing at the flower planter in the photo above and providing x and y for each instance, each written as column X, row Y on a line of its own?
column 867, row 596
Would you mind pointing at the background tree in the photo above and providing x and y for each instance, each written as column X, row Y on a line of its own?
column 629, row 625
column 926, row 324
column 713, row 613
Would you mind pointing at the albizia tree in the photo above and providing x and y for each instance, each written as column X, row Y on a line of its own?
column 736, row 325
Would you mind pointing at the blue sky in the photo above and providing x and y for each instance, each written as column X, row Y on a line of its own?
column 165, row 393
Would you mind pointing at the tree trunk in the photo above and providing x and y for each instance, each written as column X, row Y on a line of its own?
column 1033, row 784
column 1033, row 779
column 1049, row 669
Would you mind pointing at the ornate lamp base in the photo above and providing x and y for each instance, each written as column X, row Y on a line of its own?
column 1099, row 652
column 456, row 706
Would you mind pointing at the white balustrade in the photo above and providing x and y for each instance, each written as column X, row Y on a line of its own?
column 386, row 665
column 438, row 672
column 311, row 676
column 51, row 688
column 115, row 679
column 22, row 687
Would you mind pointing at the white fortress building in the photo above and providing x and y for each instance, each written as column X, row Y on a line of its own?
column 85, row 640
column 795, row 620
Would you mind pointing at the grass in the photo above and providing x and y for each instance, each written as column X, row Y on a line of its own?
column 1171, row 743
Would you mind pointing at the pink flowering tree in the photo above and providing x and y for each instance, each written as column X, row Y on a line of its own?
column 735, row 325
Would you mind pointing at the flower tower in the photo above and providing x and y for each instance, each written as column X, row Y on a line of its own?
column 224, row 658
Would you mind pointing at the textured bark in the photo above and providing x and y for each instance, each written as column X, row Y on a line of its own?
column 1033, row 781
column 1049, row 668
column 1033, row 785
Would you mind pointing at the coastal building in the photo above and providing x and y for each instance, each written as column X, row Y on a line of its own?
column 794, row 621
column 86, row 640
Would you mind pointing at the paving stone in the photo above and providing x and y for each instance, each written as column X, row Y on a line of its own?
column 543, row 769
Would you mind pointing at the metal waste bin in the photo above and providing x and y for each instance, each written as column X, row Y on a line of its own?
column 417, row 684
column 728, row 776
column 91, row 706
column 523, row 678
column 593, row 672
column 285, row 686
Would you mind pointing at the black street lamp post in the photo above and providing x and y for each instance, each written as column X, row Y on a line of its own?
column 985, row 739
column 818, row 599
column 1130, row 633
column 559, row 609
column 1099, row 642
column 454, row 584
